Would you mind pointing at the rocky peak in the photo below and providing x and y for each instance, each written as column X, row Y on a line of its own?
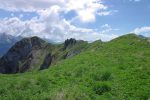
column 33, row 53
column 37, row 42
column 69, row 43
column 33, row 42
column 22, row 52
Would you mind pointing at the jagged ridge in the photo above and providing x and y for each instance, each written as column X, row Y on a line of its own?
column 31, row 54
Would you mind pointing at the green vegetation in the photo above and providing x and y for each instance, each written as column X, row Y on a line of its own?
column 115, row 70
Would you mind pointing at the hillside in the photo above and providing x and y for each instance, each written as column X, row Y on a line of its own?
column 32, row 54
column 114, row 70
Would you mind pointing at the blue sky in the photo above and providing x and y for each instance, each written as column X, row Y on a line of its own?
column 89, row 20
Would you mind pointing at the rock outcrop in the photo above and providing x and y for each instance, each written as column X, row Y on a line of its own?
column 69, row 43
column 47, row 61
column 73, row 47
column 23, row 56
column 35, row 54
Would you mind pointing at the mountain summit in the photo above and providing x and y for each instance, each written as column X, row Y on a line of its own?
column 35, row 54
column 21, row 56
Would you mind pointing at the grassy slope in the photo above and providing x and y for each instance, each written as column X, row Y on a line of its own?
column 59, row 54
column 116, row 70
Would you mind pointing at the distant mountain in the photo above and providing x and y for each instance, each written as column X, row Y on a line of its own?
column 142, row 36
column 147, row 38
column 35, row 54
column 6, row 41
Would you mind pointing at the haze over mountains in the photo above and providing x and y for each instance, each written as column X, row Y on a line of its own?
column 6, row 41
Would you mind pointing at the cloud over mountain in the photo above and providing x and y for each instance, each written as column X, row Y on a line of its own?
column 50, row 22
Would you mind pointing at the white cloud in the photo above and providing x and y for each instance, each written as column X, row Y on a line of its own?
column 28, row 5
column 142, row 31
column 105, row 26
column 104, row 13
column 86, row 16
column 50, row 24
column 86, row 10
column 55, row 30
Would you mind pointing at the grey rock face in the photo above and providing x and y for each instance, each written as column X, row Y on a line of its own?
column 21, row 52
column 35, row 54
column 69, row 43
column 47, row 62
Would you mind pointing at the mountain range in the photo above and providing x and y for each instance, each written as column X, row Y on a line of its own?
column 77, row 70
column 34, row 54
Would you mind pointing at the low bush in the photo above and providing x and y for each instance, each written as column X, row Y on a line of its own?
column 101, row 88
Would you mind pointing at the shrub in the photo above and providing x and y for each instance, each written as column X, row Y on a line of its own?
column 101, row 88
column 102, row 77
column 106, row 76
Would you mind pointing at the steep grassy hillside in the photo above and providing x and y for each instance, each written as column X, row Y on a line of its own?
column 115, row 70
